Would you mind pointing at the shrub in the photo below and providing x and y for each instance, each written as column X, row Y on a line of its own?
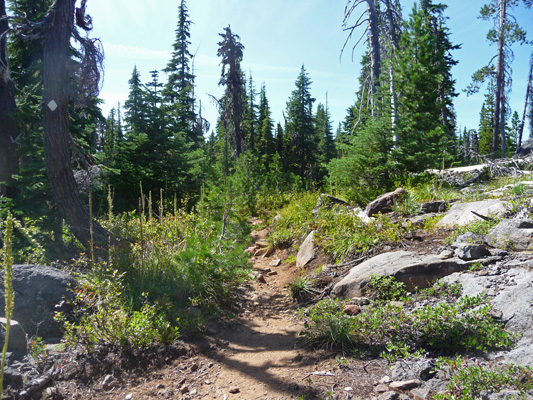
column 466, row 325
column 468, row 380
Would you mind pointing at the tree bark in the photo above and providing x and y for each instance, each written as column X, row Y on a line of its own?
column 526, row 102
column 499, row 117
column 375, row 51
column 9, row 162
column 56, row 127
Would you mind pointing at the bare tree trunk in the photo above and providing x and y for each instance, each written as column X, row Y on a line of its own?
column 526, row 102
column 56, row 127
column 375, row 51
column 500, row 84
column 9, row 162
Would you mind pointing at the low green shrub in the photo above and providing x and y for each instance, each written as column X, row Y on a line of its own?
column 481, row 227
column 101, row 316
column 465, row 326
column 386, row 288
column 468, row 379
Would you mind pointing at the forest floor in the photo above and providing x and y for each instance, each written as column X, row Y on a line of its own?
column 254, row 353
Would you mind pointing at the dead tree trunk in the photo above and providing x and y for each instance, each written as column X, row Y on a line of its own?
column 526, row 102
column 499, row 116
column 56, row 126
column 9, row 162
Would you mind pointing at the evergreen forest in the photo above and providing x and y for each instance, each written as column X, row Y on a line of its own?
column 150, row 203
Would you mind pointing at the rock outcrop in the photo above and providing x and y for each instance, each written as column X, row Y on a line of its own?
column 38, row 290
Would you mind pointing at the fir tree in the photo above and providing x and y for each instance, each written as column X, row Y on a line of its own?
column 300, row 129
column 232, row 104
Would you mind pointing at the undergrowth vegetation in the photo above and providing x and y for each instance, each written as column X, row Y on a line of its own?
column 167, row 274
column 467, row 380
column 394, row 330
column 340, row 233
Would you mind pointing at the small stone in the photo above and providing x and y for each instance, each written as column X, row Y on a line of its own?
column 194, row 367
column 385, row 380
column 193, row 392
column 159, row 386
column 389, row 396
column 184, row 389
column 445, row 254
column 381, row 388
column 326, row 279
column 234, row 390
column 275, row 263
column 261, row 279
column 348, row 389
column 129, row 396
column 272, row 273
column 352, row 309
column 405, row 385
column 207, row 382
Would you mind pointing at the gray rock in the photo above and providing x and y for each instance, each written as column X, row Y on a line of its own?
column 389, row 396
column 434, row 206
column 469, row 237
column 17, row 337
column 13, row 378
column 445, row 254
column 413, row 369
column 512, row 234
column 384, row 203
column 525, row 149
column 38, row 289
column 405, row 266
column 461, row 213
column 511, row 292
column 307, row 252
column 420, row 394
column 470, row 251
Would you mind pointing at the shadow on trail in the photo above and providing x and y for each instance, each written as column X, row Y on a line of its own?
column 245, row 341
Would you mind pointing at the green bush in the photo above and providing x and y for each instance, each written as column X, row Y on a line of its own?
column 101, row 316
column 466, row 326
column 468, row 380
column 386, row 288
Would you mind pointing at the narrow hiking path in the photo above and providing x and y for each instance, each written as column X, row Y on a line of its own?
column 254, row 353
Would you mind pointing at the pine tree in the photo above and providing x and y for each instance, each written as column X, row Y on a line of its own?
column 250, row 123
column 178, row 93
column 324, row 137
column 505, row 33
column 232, row 104
column 424, row 81
column 300, row 129
column 486, row 123
column 266, row 142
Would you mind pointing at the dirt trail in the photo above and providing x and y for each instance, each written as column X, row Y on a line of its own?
column 255, row 354
column 258, row 352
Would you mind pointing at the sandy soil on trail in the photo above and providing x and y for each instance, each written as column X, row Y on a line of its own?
column 255, row 355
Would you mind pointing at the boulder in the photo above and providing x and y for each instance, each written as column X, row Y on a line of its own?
column 434, row 206
column 405, row 266
column 471, row 251
column 525, row 149
column 512, row 234
column 308, row 251
column 17, row 337
column 511, row 294
column 38, row 289
column 384, row 203
column 461, row 213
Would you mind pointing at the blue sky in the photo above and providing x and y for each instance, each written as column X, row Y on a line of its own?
column 279, row 37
